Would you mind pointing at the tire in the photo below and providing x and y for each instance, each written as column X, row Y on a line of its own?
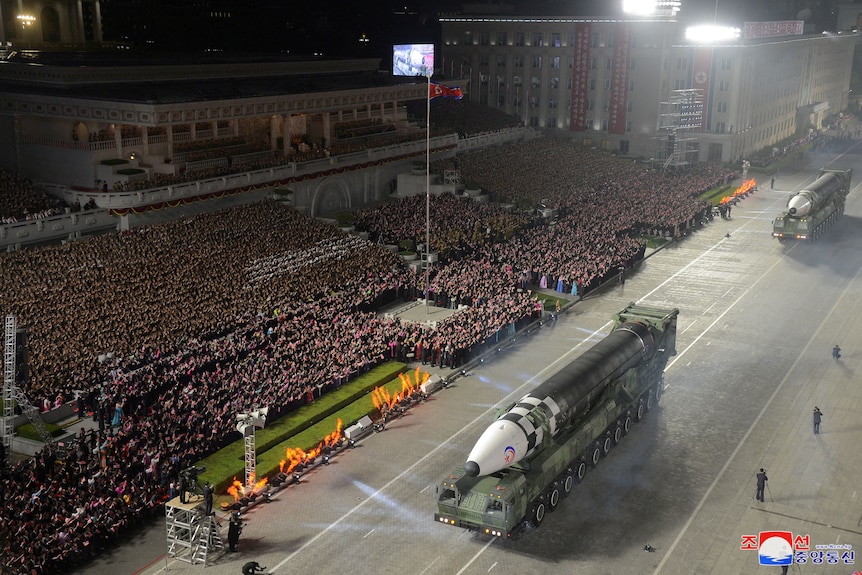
column 568, row 482
column 627, row 424
column 618, row 434
column 641, row 411
column 607, row 444
column 553, row 497
column 580, row 470
column 538, row 514
column 650, row 400
column 659, row 392
column 595, row 455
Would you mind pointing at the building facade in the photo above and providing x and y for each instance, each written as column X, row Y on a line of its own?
column 637, row 87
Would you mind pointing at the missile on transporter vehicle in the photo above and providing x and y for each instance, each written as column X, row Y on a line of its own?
column 534, row 453
column 812, row 210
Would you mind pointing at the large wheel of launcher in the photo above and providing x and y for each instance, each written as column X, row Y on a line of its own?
column 627, row 424
column 659, row 391
column 580, row 470
column 650, row 400
column 618, row 434
column 641, row 410
column 607, row 443
column 537, row 514
column 553, row 496
column 596, row 454
column 568, row 481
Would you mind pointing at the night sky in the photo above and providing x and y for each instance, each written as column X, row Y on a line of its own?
column 335, row 27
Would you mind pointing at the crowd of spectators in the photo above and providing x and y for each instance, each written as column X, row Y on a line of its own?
column 465, row 117
column 179, row 326
column 20, row 200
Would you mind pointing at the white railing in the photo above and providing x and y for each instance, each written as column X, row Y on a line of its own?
column 53, row 228
column 183, row 190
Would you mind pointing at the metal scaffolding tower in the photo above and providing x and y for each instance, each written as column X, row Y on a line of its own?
column 8, row 382
column 680, row 116
column 247, row 422
column 12, row 394
column 192, row 537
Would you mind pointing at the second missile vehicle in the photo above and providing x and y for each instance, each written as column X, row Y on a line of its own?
column 812, row 210
column 533, row 454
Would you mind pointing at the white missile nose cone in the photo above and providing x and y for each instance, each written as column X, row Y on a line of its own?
column 471, row 468
column 501, row 445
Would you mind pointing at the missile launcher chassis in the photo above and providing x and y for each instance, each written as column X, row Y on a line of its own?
column 502, row 503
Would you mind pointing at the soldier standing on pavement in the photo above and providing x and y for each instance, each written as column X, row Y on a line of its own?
column 761, row 484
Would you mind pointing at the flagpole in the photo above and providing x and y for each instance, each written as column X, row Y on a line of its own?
column 428, row 192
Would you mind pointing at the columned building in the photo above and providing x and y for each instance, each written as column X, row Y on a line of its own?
column 66, row 123
column 40, row 23
column 621, row 84
column 333, row 135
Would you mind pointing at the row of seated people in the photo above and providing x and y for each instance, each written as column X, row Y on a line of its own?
column 224, row 152
column 203, row 145
column 361, row 128
column 196, row 328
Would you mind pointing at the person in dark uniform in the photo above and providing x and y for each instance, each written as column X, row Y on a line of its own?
column 818, row 415
column 184, row 485
column 208, row 499
column 836, row 352
column 761, row 484
column 233, row 530
column 251, row 568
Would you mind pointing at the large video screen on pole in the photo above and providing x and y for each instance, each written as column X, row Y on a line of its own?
column 412, row 59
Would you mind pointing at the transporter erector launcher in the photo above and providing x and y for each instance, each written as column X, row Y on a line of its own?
column 812, row 210
column 541, row 445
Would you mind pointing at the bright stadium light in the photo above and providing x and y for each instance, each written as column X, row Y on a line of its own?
column 642, row 7
column 710, row 34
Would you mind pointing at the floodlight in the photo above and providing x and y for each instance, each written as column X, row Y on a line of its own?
column 642, row 7
column 707, row 34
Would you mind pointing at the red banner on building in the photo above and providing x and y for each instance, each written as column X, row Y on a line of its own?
column 772, row 29
column 701, row 76
column 578, row 119
column 619, row 79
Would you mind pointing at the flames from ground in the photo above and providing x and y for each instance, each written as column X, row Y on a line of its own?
column 238, row 490
column 746, row 187
column 385, row 401
column 295, row 456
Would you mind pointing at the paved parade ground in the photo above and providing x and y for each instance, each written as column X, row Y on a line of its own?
column 757, row 324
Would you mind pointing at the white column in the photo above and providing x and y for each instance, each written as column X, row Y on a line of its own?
column 145, row 139
column 98, row 31
column 327, row 128
column 118, row 140
column 2, row 27
column 79, row 22
column 274, row 129
column 285, row 132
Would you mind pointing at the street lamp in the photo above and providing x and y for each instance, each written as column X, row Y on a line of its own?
column 246, row 425
column 26, row 22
